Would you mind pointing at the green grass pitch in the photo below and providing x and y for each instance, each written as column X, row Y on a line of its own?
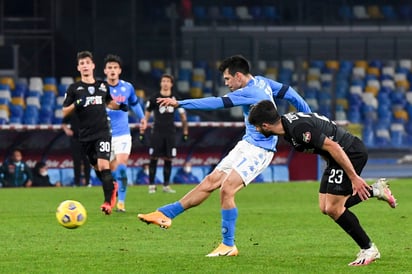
column 279, row 230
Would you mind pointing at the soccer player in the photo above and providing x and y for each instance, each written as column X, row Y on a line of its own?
column 346, row 156
column 163, row 134
column 88, row 98
column 244, row 162
column 122, row 93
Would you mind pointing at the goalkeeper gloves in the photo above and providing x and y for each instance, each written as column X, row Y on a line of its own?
column 185, row 137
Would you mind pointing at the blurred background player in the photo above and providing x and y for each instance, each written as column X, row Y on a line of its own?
column 163, row 133
column 122, row 93
column 81, row 165
column 88, row 98
column 15, row 172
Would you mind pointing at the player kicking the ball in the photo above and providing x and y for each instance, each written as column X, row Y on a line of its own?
column 341, row 185
column 245, row 161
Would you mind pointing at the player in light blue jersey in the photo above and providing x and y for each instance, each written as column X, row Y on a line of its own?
column 122, row 92
column 244, row 162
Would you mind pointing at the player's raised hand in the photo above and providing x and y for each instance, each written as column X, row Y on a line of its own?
column 164, row 102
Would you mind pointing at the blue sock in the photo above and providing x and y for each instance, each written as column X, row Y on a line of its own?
column 121, row 178
column 172, row 210
column 229, row 217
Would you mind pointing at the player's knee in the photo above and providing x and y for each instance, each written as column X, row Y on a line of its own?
column 332, row 212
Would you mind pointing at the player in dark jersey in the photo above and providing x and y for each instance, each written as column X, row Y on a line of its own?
column 346, row 156
column 88, row 98
column 163, row 133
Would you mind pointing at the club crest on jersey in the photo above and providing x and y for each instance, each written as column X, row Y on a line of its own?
column 91, row 90
column 306, row 137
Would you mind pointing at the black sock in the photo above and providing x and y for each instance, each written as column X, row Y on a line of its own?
column 107, row 184
column 167, row 169
column 152, row 171
column 354, row 200
column 350, row 223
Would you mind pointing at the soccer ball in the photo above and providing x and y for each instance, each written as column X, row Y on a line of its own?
column 71, row 214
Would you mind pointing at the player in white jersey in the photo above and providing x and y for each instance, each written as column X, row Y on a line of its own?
column 122, row 92
column 246, row 160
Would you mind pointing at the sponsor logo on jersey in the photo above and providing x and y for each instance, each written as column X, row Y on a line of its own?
column 80, row 88
column 166, row 109
column 93, row 100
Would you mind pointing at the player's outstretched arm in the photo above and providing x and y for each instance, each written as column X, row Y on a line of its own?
column 164, row 102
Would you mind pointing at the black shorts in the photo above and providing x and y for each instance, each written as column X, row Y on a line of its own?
column 334, row 179
column 98, row 149
column 163, row 145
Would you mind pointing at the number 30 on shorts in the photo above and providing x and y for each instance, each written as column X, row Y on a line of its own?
column 104, row 146
column 336, row 176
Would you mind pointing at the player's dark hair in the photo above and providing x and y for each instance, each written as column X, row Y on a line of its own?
column 113, row 58
column 263, row 112
column 235, row 63
column 84, row 54
column 169, row 76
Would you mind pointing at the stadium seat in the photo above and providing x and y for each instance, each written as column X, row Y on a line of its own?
column 374, row 12
column 368, row 136
column 183, row 86
column 48, row 99
column 359, row 12
column 4, row 114
column 33, row 101
column 271, row 13
column 196, row 92
column 36, row 83
column 345, row 13
column 58, row 116
column 18, row 101
column 358, row 72
column 372, row 90
column 9, row 81
column 229, row 13
column 200, row 14
column 66, row 80
column 6, row 95
column 389, row 12
column 185, row 74
column 208, row 88
column 397, row 133
column 46, row 115
column 256, row 12
column 405, row 63
column 242, row 13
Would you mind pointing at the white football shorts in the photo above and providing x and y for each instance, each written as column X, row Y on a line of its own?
column 248, row 161
column 121, row 145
